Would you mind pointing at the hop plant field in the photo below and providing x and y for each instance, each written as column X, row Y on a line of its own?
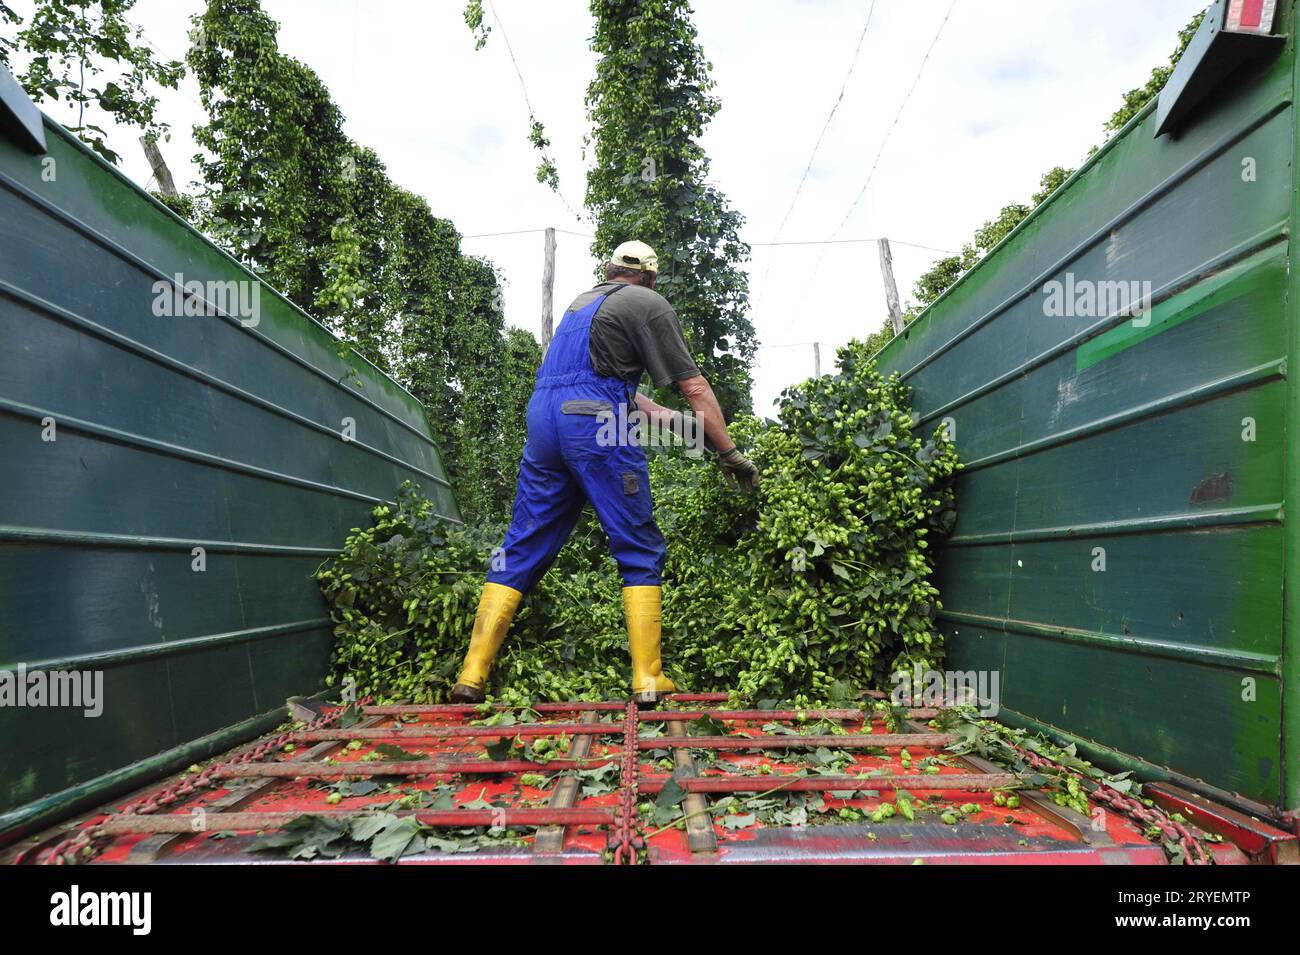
column 814, row 589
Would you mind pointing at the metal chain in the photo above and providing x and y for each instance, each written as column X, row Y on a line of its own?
column 625, row 813
column 1111, row 797
column 70, row 850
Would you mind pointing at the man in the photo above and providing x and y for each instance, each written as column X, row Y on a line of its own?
column 607, row 340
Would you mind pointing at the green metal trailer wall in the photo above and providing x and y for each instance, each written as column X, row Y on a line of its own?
column 1122, row 554
column 171, row 433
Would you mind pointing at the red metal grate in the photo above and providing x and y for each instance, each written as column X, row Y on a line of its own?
column 753, row 755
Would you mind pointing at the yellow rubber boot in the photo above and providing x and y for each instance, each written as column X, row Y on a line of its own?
column 644, row 609
column 496, row 608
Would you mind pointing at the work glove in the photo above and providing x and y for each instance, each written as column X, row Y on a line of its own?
column 739, row 470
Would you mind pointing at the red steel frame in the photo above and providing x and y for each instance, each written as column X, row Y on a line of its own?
column 271, row 785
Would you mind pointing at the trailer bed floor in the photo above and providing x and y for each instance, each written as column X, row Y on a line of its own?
column 583, row 783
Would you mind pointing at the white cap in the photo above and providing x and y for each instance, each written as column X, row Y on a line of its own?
column 635, row 255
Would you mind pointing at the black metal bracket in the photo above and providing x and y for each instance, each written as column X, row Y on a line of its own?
column 20, row 120
column 1210, row 56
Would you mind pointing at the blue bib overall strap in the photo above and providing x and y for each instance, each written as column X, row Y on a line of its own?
column 577, row 451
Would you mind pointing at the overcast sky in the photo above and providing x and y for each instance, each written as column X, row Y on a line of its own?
column 1011, row 89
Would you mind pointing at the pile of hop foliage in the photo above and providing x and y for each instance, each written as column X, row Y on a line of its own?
column 814, row 589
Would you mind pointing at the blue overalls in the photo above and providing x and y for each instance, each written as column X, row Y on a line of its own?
column 569, row 459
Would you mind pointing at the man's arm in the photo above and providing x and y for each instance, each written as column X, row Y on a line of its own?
column 665, row 355
column 699, row 395
column 663, row 417
column 659, row 415
column 738, row 469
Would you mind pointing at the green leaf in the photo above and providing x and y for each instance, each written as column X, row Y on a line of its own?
column 500, row 750
column 479, row 803
column 394, row 753
column 305, row 837
column 707, row 726
column 739, row 822
column 672, row 793
column 391, row 841
column 366, row 827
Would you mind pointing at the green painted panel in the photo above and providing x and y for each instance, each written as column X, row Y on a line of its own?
column 105, row 203
column 1143, row 705
column 266, row 601
column 1129, row 169
column 1226, row 286
column 1225, row 329
column 1160, row 466
column 1150, row 591
column 1232, row 336
column 977, row 580
column 172, row 433
column 47, row 748
column 1158, row 446
column 204, row 348
column 1155, row 588
column 276, row 665
column 85, row 484
column 113, row 584
column 1137, row 251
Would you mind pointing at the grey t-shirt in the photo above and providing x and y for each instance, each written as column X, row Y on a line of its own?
column 636, row 331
